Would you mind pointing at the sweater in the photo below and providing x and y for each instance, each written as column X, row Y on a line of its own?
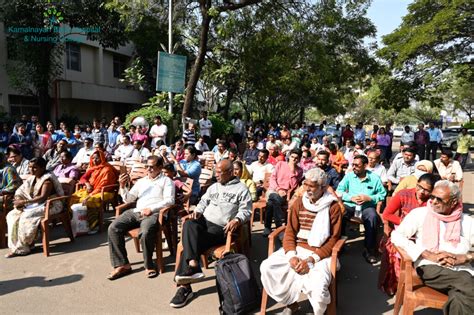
column 302, row 219
column 222, row 203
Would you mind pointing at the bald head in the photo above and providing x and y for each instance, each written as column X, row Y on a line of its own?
column 224, row 171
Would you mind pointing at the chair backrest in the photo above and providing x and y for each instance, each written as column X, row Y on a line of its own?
column 205, row 178
column 69, row 185
column 116, row 164
column 137, row 172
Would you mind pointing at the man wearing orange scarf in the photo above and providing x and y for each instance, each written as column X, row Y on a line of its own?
column 441, row 250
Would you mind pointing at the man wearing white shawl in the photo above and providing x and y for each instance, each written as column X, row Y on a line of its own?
column 303, row 264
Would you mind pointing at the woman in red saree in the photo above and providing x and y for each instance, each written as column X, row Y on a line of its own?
column 98, row 175
column 397, row 208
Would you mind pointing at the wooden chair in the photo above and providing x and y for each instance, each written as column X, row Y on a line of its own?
column 105, row 203
column 411, row 292
column 163, row 226
column 184, row 205
column 236, row 242
column 137, row 172
column 116, row 164
column 63, row 216
column 331, row 309
column 261, row 203
column 7, row 197
column 205, row 180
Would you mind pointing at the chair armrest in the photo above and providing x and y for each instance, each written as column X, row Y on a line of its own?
column 163, row 212
column 271, row 239
column 338, row 246
column 123, row 207
column 49, row 201
column 406, row 269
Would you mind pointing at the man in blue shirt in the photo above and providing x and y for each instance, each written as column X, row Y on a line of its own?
column 112, row 134
column 359, row 133
column 361, row 190
column 435, row 140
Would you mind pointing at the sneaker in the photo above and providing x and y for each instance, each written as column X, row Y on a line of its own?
column 182, row 296
column 266, row 232
column 190, row 275
column 93, row 231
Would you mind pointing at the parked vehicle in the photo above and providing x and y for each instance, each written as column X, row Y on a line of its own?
column 450, row 139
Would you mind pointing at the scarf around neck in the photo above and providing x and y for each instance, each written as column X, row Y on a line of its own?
column 320, row 230
column 431, row 229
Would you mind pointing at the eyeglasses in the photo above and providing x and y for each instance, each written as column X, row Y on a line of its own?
column 150, row 166
column 419, row 187
column 438, row 199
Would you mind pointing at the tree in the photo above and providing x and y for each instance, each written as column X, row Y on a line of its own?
column 275, row 61
column 433, row 38
column 35, row 45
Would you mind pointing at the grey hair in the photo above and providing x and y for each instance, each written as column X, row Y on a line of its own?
column 317, row 175
column 454, row 191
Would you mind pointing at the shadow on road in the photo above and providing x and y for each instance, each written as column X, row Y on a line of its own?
column 10, row 286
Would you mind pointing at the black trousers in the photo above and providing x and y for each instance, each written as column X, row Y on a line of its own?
column 458, row 285
column 421, row 150
column 432, row 148
column 198, row 236
column 274, row 210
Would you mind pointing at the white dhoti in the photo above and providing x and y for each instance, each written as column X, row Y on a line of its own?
column 284, row 285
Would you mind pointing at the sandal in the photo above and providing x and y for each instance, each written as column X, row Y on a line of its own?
column 12, row 254
column 119, row 274
column 151, row 274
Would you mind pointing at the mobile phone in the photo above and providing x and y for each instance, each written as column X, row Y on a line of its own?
column 123, row 169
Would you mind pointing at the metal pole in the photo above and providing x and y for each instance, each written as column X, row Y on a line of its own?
column 170, row 47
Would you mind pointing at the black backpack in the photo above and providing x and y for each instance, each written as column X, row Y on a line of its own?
column 236, row 285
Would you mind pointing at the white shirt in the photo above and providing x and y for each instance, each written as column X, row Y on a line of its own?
column 258, row 170
column 141, row 154
column 413, row 224
column 123, row 152
column 407, row 137
column 158, row 133
column 453, row 168
column 238, row 126
column 380, row 170
column 205, row 126
column 201, row 147
column 83, row 156
column 154, row 193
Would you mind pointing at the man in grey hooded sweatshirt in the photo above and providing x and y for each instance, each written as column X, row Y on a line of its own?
column 224, row 207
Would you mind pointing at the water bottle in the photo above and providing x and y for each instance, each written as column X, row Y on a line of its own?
column 358, row 211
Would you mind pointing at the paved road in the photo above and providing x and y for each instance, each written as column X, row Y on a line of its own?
column 72, row 280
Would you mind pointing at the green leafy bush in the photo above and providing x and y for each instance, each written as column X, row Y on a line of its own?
column 220, row 126
column 149, row 112
column 469, row 125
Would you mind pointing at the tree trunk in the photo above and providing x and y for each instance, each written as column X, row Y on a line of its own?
column 44, row 101
column 301, row 114
column 228, row 100
column 198, row 63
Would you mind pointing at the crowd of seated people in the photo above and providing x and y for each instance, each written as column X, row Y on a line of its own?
column 318, row 182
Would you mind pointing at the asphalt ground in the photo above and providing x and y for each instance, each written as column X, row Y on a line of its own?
column 73, row 279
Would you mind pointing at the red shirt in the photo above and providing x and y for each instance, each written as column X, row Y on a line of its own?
column 400, row 205
column 347, row 135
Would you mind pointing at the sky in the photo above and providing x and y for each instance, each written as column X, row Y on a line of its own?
column 387, row 15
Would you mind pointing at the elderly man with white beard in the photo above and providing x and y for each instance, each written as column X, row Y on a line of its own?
column 303, row 264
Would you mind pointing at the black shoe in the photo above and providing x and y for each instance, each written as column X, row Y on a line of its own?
column 190, row 275
column 370, row 257
column 181, row 298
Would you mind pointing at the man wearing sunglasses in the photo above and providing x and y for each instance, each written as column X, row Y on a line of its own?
column 444, row 237
column 151, row 193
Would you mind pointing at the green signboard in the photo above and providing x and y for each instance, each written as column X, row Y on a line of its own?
column 171, row 73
